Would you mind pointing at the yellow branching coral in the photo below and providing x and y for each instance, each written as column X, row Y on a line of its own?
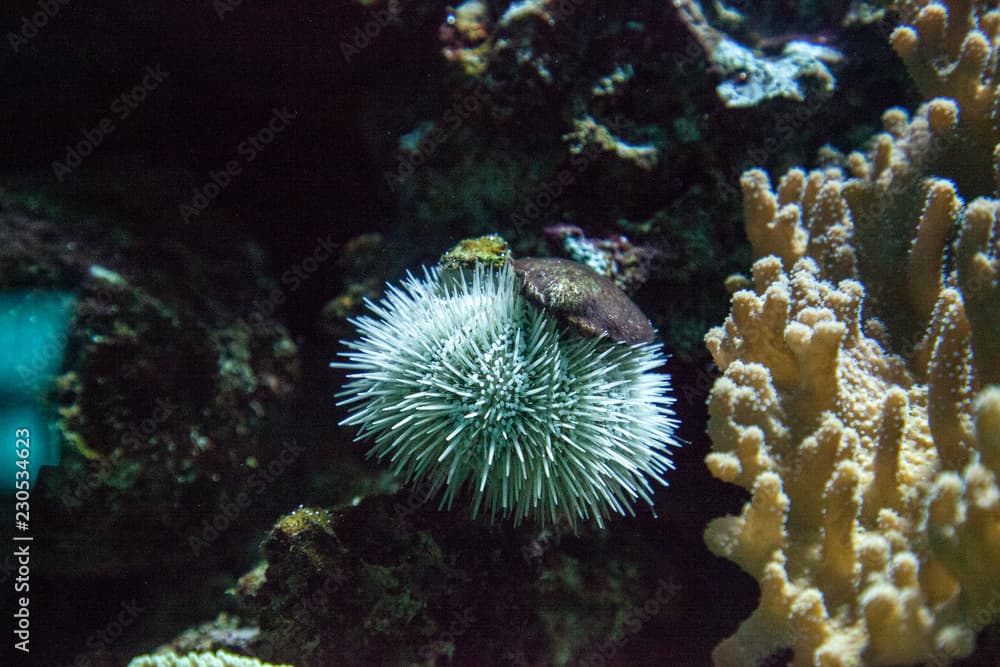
column 884, row 212
column 874, row 524
column 829, row 433
column 860, row 396
column 949, row 48
column 978, row 256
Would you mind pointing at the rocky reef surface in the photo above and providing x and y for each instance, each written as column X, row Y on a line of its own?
column 254, row 172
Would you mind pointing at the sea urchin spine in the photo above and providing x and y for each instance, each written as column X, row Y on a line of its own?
column 465, row 384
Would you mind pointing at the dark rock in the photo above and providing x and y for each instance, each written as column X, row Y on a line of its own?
column 170, row 377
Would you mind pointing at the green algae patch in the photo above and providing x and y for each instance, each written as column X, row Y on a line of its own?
column 491, row 250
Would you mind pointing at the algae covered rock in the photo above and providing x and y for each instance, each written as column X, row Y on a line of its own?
column 491, row 250
column 373, row 585
column 170, row 376
column 393, row 581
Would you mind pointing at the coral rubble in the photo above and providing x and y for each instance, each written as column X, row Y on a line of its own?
column 753, row 77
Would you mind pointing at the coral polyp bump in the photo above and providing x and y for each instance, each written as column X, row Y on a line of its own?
column 464, row 384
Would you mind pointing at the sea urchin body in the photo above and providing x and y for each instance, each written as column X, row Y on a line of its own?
column 464, row 384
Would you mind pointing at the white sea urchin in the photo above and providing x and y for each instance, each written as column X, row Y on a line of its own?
column 464, row 383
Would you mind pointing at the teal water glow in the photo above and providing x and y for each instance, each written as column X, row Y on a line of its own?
column 33, row 327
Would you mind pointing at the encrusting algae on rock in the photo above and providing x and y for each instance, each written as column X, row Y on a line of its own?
column 859, row 402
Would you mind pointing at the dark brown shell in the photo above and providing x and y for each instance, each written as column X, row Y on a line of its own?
column 582, row 299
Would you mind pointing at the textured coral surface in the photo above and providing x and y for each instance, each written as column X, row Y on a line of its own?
column 858, row 403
